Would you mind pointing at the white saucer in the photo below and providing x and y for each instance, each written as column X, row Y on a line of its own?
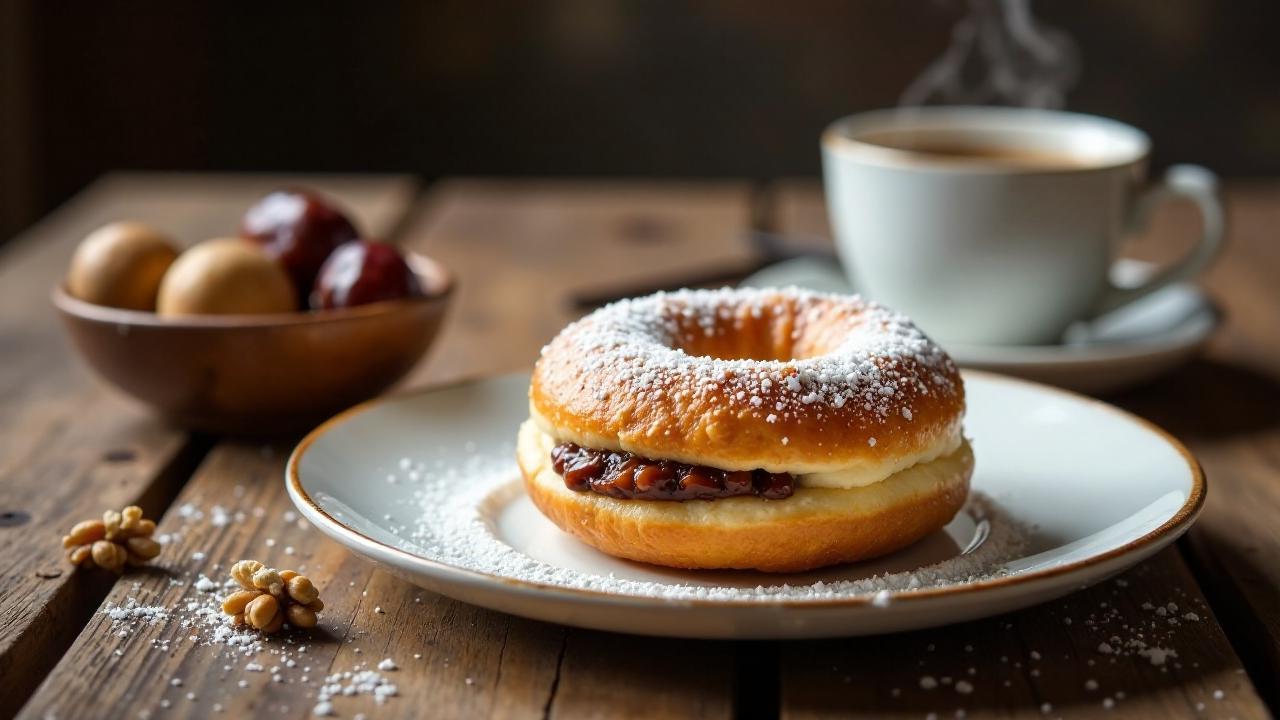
column 1089, row 490
column 1132, row 345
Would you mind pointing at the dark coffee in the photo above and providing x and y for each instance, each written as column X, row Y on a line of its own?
column 959, row 151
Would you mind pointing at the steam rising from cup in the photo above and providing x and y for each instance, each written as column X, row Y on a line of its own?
column 999, row 55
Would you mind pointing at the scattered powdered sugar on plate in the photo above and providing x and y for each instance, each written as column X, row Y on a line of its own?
column 454, row 507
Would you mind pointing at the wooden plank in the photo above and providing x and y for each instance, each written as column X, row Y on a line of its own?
column 1033, row 664
column 517, row 249
column 797, row 207
column 603, row 675
column 69, row 447
column 1225, row 407
column 521, row 250
column 469, row 660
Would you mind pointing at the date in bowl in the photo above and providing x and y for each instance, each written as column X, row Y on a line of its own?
column 259, row 375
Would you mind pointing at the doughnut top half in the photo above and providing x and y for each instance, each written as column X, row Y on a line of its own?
column 787, row 380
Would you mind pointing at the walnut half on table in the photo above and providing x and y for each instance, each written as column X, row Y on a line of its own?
column 269, row 598
column 118, row 539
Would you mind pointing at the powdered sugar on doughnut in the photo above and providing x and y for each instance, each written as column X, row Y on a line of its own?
column 786, row 380
column 639, row 344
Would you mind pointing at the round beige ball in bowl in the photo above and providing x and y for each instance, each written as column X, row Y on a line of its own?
column 261, row 374
column 121, row 265
column 225, row 276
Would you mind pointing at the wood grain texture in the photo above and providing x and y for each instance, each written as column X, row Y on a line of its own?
column 604, row 675
column 69, row 447
column 1226, row 407
column 1041, row 662
column 517, row 250
column 465, row 655
column 1238, row 466
column 521, row 250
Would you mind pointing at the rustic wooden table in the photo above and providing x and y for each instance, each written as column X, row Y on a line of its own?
column 70, row 448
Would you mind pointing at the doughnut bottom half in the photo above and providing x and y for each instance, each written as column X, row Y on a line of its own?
column 813, row 528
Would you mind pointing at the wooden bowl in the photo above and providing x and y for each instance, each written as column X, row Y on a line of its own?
column 259, row 375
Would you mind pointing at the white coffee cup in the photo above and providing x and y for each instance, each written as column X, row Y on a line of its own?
column 999, row 225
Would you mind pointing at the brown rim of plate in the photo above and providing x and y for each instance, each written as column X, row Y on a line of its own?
column 1175, row 524
column 437, row 282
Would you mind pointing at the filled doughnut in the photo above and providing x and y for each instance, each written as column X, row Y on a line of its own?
column 770, row 429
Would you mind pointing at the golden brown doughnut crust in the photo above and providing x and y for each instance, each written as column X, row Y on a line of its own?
column 813, row 528
column 738, row 379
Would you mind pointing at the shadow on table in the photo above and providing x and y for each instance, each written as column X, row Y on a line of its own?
column 1210, row 402
column 1110, row 647
column 1242, row 616
column 1208, row 399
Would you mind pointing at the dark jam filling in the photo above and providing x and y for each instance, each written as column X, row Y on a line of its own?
column 626, row 476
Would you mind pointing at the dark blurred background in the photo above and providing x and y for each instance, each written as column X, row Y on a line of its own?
column 703, row 88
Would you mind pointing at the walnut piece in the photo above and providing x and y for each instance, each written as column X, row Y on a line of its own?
column 119, row 539
column 269, row 598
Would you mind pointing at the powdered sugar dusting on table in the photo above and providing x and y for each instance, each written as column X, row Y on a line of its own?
column 637, row 343
column 455, row 507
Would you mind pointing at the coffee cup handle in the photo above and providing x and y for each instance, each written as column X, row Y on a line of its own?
column 1198, row 185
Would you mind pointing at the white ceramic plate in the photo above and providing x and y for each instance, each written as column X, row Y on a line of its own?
column 1129, row 346
column 1094, row 489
